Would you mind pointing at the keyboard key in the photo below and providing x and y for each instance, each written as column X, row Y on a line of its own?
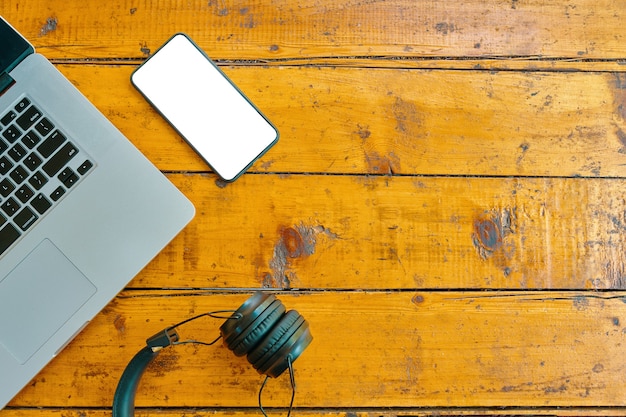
column 22, row 105
column 41, row 204
column 58, row 193
column 3, row 146
column 17, row 152
column 8, row 118
column 44, row 127
column 24, row 193
column 31, row 139
column 38, row 180
column 19, row 174
column 51, row 144
column 25, row 218
column 84, row 167
column 6, row 187
column 60, row 159
column 10, row 207
column 29, row 117
column 12, row 133
column 8, row 235
column 65, row 174
column 69, row 177
column 5, row 165
column 32, row 161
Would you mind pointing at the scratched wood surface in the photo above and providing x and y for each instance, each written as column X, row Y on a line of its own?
column 400, row 232
column 445, row 206
column 384, row 349
column 418, row 122
column 241, row 29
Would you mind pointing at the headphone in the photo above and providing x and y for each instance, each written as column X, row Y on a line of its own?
column 261, row 329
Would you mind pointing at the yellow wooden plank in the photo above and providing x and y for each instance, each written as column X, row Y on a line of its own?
column 388, row 349
column 357, row 412
column 282, row 29
column 310, row 231
column 350, row 120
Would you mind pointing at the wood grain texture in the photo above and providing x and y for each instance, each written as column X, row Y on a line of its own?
column 384, row 349
column 282, row 29
column 420, row 412
column 394, row 121
column 396, row 232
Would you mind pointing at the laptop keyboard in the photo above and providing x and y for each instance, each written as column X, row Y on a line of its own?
column 39, row 165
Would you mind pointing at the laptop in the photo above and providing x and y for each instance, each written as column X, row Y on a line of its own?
column 82, row 211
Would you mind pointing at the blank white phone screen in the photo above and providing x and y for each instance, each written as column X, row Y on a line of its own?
column 208, row 111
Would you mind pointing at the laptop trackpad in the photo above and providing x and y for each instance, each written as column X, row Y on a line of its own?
column 38, row 297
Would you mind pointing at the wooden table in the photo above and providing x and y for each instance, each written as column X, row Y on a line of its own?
column 446, row 206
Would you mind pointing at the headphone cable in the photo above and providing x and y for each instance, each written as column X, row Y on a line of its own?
column 293, row 389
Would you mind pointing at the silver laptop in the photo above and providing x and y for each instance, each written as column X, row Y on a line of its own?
column 82, row 211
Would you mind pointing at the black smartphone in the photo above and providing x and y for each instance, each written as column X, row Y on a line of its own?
column 205, row 107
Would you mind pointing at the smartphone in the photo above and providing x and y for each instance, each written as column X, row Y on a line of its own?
column 205, row 107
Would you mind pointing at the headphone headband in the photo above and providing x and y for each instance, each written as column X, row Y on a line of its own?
column 124, row 398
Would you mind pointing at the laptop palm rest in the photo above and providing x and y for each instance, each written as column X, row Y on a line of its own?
column 51, row 301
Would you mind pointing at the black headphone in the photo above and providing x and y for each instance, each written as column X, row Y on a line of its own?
column 271, row 337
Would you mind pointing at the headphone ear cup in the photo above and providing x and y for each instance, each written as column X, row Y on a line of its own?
column 256, row 355
column 291, row 349
column 244, row 316
column 271, row 349
column 251, row 337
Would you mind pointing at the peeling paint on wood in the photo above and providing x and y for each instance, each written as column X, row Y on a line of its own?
column 294, row 242
column 50, row 26
column 490, row 230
